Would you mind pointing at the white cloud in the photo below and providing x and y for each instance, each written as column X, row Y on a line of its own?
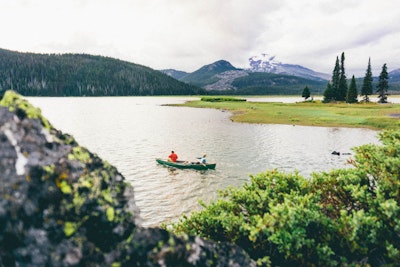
column 186, row 35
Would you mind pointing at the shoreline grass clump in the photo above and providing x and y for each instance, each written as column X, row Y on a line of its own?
column 222, row 99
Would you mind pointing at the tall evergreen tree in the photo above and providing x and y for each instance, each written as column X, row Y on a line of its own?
column 366, row 88
column 383, row 85
column 342, row 87
column 336, row 79
column 306, row 93
column 352, row 92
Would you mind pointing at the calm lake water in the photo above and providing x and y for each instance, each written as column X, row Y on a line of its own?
column 130, row 132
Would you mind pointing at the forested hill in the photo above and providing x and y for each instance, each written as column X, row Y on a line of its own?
column 83, row 75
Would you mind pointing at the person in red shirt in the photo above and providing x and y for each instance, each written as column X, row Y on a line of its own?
column 173, row 157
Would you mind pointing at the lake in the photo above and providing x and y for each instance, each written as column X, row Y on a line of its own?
column 130, row 132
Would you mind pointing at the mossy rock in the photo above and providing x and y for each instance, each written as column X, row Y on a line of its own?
column 23, row 108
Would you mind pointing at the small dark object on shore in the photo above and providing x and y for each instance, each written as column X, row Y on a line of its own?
column 338, row 153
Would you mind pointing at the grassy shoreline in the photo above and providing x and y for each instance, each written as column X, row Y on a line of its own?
column 361, row 115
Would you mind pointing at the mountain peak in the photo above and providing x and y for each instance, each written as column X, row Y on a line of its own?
column 176, row 74
column 207, row 74
column 219, row 65
column 263, row 63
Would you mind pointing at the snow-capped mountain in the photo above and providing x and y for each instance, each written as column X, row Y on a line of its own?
column 267, row 63
column 265, row 77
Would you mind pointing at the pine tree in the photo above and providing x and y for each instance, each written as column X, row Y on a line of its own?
column 342, row 88
column 366, row 88
column 337, row 89
column 335, row 80
column 329, row 94
column 306, row 93
column 352, row 92
column 383, row 85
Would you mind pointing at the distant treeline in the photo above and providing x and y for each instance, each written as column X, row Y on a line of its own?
column 259, row 83
column 33, row 74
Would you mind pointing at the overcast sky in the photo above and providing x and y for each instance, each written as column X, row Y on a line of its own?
column 187, row 34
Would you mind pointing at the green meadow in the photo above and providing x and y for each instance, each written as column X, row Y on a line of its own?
column 367, row 115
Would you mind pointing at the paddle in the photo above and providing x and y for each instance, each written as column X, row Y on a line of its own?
column 201, row 160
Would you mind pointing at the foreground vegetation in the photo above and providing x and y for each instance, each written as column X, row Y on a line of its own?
column 368, row 115
column 347, row 217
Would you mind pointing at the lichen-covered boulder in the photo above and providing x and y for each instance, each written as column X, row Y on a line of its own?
column 61, row 205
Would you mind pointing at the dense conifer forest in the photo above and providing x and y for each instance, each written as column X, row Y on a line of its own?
column 83, row 75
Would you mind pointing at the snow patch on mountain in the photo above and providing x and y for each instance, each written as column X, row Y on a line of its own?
column 268, row 63
column 263, row 63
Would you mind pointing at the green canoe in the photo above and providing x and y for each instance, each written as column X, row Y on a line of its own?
column 187, row 165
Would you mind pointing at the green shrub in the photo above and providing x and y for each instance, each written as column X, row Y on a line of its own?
column 222, row 99
column 346, row 217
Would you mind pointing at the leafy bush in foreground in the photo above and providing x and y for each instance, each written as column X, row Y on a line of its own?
column 347, row 217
